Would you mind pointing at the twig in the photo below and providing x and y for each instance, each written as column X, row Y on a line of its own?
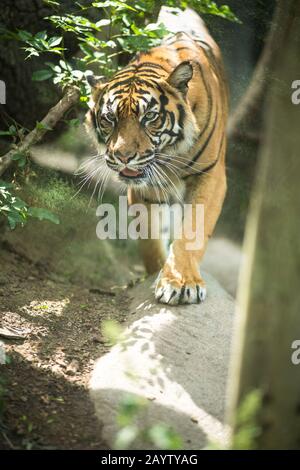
column 8, row 440
column 11, row 333
column 50, row 120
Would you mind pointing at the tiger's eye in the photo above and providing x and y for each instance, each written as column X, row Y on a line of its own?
column 151, row 115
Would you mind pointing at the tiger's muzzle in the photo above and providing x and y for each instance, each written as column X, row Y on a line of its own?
column 131, row 168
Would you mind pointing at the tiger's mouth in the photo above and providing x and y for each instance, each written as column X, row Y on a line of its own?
column 130, row 173
column 136, row 177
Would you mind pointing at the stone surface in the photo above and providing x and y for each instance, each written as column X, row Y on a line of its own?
column 177, row 359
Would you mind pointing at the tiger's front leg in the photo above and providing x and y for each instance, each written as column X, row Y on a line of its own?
column 180, row 280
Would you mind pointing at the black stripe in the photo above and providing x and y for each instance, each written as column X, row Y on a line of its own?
column 209, row 167
column 170, row 133
column 182, row 48
column 125, row 71
column 210, row 56
column 172, row 118
column 149, row 83
column 120, row 83
column 151, row 64
column 204, row 146
column 95, row 125
column 152, row 103
column 209, row 99
column 181, row 113
column 94, row 119
column 149, row 75
column 141, row 97
column 164, row 100
column 143, row 70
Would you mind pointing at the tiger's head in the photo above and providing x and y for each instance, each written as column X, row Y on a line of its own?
column 139, row 114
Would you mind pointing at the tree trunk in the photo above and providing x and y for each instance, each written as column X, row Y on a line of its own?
column 269, row 320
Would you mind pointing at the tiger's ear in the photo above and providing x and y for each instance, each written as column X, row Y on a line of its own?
column 181, row 76
column 97, row 85
column 93, row 81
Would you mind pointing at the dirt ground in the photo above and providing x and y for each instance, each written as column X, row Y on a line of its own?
column 46, row 402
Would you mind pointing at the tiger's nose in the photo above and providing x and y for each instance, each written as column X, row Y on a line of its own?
column 124, row 158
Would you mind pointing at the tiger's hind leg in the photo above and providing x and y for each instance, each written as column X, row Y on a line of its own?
column 153, row 255
column 153, row 250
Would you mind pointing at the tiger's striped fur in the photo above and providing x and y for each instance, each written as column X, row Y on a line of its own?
column 161, row 122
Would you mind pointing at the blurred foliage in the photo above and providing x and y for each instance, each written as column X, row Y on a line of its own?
column 160, row 435
column 17, row 211
column 111, row 331
column 247, row 429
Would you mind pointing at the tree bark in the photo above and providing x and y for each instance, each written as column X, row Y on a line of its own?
column 269, row 320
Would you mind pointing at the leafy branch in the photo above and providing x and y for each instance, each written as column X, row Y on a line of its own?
column 17, row 211
column 122, row 27
column 53, row 116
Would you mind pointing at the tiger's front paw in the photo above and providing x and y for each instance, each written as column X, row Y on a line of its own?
column 170, row 290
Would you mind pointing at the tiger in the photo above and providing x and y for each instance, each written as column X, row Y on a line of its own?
column 162, row 118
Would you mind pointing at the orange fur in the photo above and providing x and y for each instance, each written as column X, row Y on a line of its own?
column 194, row 97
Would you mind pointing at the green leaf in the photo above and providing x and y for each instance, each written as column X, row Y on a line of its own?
column 12, row 130
column 78, row 74
column 31, row 52
column 24, row 35
column 5, row 185
column 12, row 222
column 104, row 22
column 40, row 125
column 5, row 133
column 41, row 75
column 41, row 35
column 18, row 156
column 63, row 64
column 55, row 41
column 43, row 214
column 22, row 163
